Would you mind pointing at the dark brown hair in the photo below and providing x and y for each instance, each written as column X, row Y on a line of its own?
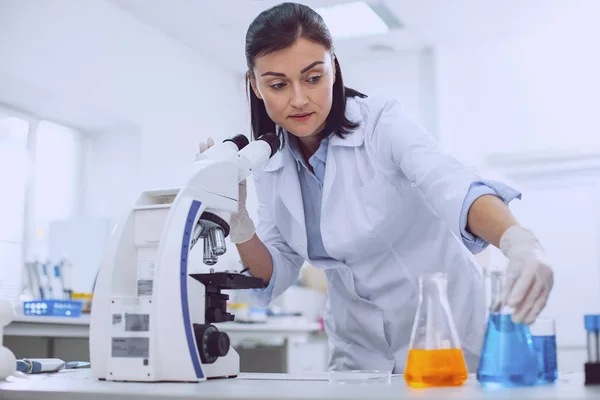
column 278, row 28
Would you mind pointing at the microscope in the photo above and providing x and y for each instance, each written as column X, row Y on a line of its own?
column 151, row 319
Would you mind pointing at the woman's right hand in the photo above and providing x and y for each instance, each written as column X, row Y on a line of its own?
column 241, row 226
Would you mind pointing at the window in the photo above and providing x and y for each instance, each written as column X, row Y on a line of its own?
column 57, row 182
column 40, row 182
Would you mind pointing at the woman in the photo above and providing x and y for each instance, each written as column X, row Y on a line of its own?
column 361, row 191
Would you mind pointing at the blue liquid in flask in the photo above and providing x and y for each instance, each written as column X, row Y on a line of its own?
column 508, row 358
column 545, row 348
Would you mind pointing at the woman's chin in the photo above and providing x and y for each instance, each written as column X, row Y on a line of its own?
column 301, row 131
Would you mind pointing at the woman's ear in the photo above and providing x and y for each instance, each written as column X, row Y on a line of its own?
column 252, row 81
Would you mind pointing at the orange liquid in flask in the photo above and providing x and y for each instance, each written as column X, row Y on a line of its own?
column 430, row 368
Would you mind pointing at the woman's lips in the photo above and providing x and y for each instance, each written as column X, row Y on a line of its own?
column 301, row 117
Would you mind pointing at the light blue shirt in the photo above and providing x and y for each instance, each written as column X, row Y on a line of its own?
column 311, row 186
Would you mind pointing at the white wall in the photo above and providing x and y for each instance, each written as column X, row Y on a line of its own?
column 92, row 56
column 406, row 75
column 537, row 91
column 112, row 173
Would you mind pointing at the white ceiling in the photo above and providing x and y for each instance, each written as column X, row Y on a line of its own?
column 217, row 28
column 56, row 107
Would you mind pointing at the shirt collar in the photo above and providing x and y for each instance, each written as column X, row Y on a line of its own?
column 320, row 154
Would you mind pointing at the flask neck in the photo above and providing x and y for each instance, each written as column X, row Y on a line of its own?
column 497, row 281
column 433, row 287
column 434, row 327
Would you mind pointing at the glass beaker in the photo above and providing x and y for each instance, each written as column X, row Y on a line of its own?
column 543, row 337
column 435, row 357
column 508, row 357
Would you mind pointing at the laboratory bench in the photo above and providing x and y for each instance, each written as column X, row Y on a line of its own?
column 79, row 384
column 281, row 344
column 49, row 327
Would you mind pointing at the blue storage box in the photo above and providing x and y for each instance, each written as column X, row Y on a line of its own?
column 52, row 308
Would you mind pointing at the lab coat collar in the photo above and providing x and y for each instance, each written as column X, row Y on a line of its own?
column 292, row 195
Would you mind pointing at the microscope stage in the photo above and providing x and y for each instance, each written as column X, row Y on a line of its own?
column 229, row 280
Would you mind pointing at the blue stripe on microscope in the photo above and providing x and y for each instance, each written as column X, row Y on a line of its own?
column 187, row 234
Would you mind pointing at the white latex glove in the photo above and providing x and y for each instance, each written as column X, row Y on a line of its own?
column 241, row 226
column 529, row 278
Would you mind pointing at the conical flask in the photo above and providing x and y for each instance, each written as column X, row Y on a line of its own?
column 508, row 357
column 435, row 357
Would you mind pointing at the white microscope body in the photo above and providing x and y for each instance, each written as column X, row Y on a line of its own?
column 151, row 320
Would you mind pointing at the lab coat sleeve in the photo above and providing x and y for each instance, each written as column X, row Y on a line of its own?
column 403, row 144
column 474, row 243
column 286, row 262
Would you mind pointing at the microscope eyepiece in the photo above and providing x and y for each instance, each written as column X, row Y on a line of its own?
column 240, row 141
column 273, row 140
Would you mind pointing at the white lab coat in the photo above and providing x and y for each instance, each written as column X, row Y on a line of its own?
column 390, row 211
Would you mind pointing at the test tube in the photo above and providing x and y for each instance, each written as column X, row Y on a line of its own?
column 593, row 337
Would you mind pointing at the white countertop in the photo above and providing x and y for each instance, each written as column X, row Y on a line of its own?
column 24, row 325
column 68, row 385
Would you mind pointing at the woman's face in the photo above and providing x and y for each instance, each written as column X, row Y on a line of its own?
column 296, row 85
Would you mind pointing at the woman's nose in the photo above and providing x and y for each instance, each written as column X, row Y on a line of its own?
column 299, row 98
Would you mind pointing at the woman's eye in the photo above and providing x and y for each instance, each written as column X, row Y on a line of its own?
column 278, row 86
column 314, row 79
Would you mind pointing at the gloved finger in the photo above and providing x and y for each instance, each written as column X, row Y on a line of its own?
column 210, row 142
column 522, row 285
column 497, row 306
column 524, row 308
column 537, row 308
column 545, row 278
column 511, row 276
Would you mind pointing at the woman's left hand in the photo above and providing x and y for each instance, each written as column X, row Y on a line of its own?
column 529, row 278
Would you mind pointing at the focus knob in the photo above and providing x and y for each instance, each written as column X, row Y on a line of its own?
column 211, row 343
column 218, row 344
